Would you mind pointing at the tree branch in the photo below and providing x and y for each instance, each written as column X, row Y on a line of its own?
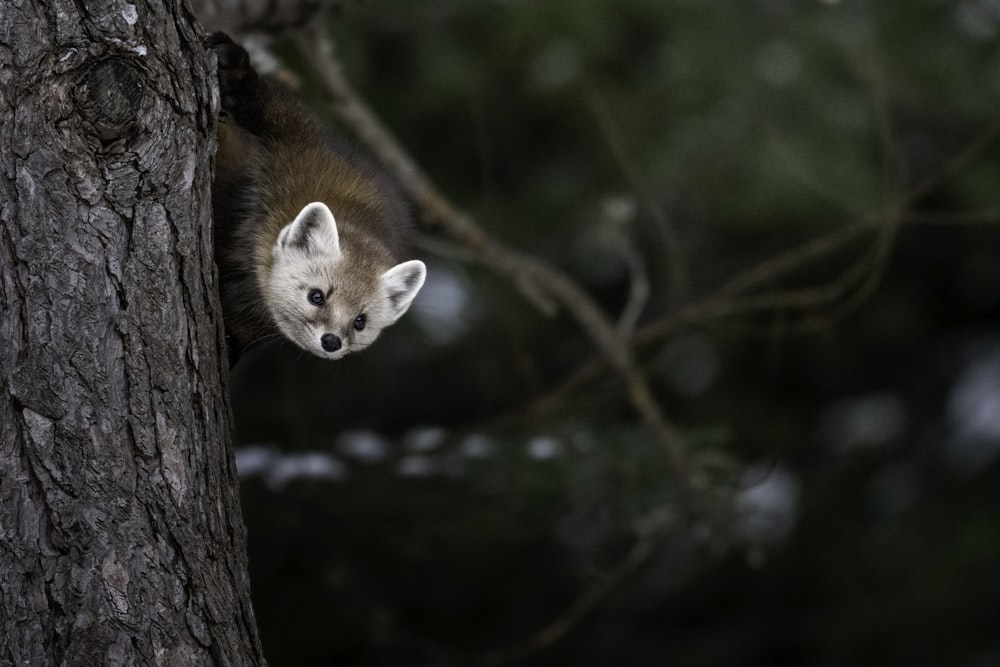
column 676, row 265
column 654, row 529
column 241, row 16
column 529, row 273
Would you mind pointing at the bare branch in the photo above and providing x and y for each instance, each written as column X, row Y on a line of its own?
column 242, row 16
column 657, row 526
column 972, row 151
column 986, row 216
column 874, row 77
column 679, row 283
column 638, row 294
column 810, row 251
column 806, row 177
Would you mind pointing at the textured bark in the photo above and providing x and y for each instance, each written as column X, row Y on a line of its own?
column 121, row 538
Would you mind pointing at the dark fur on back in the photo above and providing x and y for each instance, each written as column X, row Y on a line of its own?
column 275, row 157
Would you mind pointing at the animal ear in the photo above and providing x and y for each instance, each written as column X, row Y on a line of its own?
column 401, row 283
column 312, row 229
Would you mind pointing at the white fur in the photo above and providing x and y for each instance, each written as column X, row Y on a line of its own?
column 401, row 284
column 314, row 228
column 307, row 255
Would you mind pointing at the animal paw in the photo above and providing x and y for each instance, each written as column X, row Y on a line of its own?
column 237, row 78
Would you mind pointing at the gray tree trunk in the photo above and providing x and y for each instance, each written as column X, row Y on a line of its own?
column 121, row 538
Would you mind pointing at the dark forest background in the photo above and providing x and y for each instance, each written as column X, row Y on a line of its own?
column 476, row 488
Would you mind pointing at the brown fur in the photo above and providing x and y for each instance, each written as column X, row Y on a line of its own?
column 274, row 157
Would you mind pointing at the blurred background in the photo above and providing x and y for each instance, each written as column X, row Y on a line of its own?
column 476, row 489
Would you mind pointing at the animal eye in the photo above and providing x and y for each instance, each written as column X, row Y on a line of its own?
column 316, row 297
column 359, row 322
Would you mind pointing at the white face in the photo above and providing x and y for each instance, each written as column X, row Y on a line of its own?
column 322, row 303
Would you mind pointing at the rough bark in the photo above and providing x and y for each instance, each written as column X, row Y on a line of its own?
column 121, row 538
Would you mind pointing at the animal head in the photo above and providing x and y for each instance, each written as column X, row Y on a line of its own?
column 328, row 301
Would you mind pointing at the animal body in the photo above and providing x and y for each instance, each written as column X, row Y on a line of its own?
column 308, row 231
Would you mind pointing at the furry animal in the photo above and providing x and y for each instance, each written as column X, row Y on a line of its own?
column 308, row 231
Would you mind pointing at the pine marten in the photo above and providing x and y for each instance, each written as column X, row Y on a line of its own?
column 308, row 231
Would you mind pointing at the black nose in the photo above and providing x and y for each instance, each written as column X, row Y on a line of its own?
column 330, row 342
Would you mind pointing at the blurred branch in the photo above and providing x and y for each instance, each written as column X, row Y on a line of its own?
column 638, row 294
column 530, row 274
column 986, row 216
column 239, row 17
column 972, row 151
column 733, row 297
column 809, row 252
column 805, row 176
column 882, row 225
column 874, row 77
column 655, row 528
column 677, row 273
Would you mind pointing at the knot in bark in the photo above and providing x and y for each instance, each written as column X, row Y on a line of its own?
column 109, row 96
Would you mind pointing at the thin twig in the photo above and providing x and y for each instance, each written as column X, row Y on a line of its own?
column 985, row 216
column 874, row 77
column 975, row 147
column 637, row 556
column 810, row 251
column 807, row 177
column 678, row 281
column 638, row 294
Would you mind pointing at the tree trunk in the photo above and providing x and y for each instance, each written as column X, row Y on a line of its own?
column 121, row 538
